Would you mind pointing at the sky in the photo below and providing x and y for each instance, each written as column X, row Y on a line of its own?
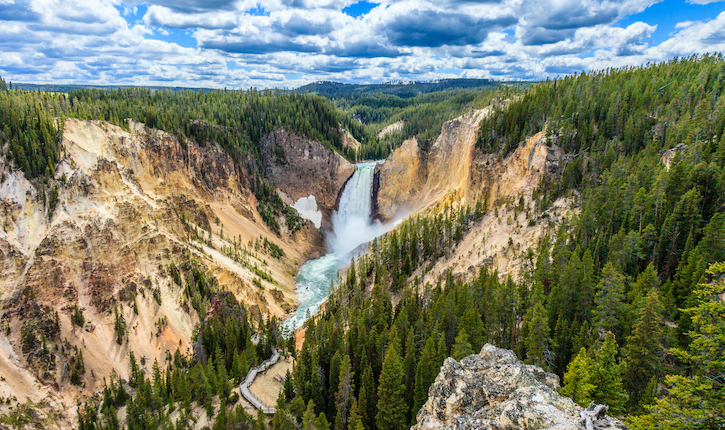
column 289, row 43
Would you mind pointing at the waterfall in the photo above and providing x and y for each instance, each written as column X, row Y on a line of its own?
column 351, row 223
column 352, row 226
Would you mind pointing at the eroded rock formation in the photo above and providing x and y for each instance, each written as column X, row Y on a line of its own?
column 122, row 207
column 301, row 167
column 495, row 390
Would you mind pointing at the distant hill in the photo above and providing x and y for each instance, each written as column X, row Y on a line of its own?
column 398, row 88
column 64, row 88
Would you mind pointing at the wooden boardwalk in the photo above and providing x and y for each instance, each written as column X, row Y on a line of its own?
column 253, row 372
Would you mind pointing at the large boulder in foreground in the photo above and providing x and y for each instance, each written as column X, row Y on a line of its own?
column 495, row 390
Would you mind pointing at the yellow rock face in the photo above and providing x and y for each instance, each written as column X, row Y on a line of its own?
column 411, row 180
column 455, row 172
column 401, row 178
column 129, row 206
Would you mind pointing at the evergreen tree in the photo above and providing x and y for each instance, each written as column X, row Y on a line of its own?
column 425, row 373
column 462, row 348
column 345, row 389
column 609, row 299
column 409, row 364
column 355, row 422
column 391, row 393
column 368, row 398
column 309, row 418
column 644, row 349
column 537, row 341
column 471, row 322
column 607, row 376
column 696, row 400
column 578, row 379
column 222, row 377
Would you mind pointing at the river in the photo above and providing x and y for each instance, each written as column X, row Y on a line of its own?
column 352, row 226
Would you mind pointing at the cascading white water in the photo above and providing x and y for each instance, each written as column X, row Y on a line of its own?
column 352, row 226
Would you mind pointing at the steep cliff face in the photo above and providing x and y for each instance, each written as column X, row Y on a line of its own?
column 505, row 186
column 494, row 390
column 300, row 167
column 492, row 178
column 404, row 168
column 427, row 178
column 123, row 206
column 455, row 172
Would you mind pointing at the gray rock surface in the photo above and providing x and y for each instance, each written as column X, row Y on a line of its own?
column 495, row 390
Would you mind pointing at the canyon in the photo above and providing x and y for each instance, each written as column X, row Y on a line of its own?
column 129, row 203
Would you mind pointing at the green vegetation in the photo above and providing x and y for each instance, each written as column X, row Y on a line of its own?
column 271, row 206
column 400, row 89
column 592, row 300
column 28, row 121
column 624, row 300
column 77, row 318
column 421, row 115
column 223, row 354
column 236, row 120
column 696, row 399
column 618, row 111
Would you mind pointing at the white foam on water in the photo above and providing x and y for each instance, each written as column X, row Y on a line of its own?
column 352, row 226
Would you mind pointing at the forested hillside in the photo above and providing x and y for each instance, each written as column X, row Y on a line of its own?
column 621, row 297
column 236, row 120
column 397, row 88
column 623, row 302
column 419, row 109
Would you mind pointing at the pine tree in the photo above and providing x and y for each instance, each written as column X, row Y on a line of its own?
column 462, row 347
column 409, row 363
column 345, row 389
column 222, row 377
column 608, row 377
column 644, row 349
column 696, row 400
column 391, row 393
column 368, row 398
column 609, row 298
column 355, row 422
column 309, row 418
column 425, row 373
column 538, row 341
column 471, row 322
column 578, row 378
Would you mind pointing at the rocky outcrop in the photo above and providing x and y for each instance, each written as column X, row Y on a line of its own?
column 669, row 155
column 301, row 167
column 449, row 159
column 495, row 390
column 428, row 177
column 349, row 141
column 455, row 172
column 492, row 177
column 392, row 128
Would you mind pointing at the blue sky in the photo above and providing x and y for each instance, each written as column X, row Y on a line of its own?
column 288, row 43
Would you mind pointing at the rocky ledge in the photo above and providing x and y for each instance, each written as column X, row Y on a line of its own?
column 495, row 390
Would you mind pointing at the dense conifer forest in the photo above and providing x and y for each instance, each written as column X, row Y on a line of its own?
column 421, row 115
column 236, row 120
column 624, row 302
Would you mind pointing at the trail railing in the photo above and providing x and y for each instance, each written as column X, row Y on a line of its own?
column 253, row 372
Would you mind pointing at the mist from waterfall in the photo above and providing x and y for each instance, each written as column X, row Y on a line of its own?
column 352, row 226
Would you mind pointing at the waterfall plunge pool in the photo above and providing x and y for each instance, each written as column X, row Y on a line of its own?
column 352, row 226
